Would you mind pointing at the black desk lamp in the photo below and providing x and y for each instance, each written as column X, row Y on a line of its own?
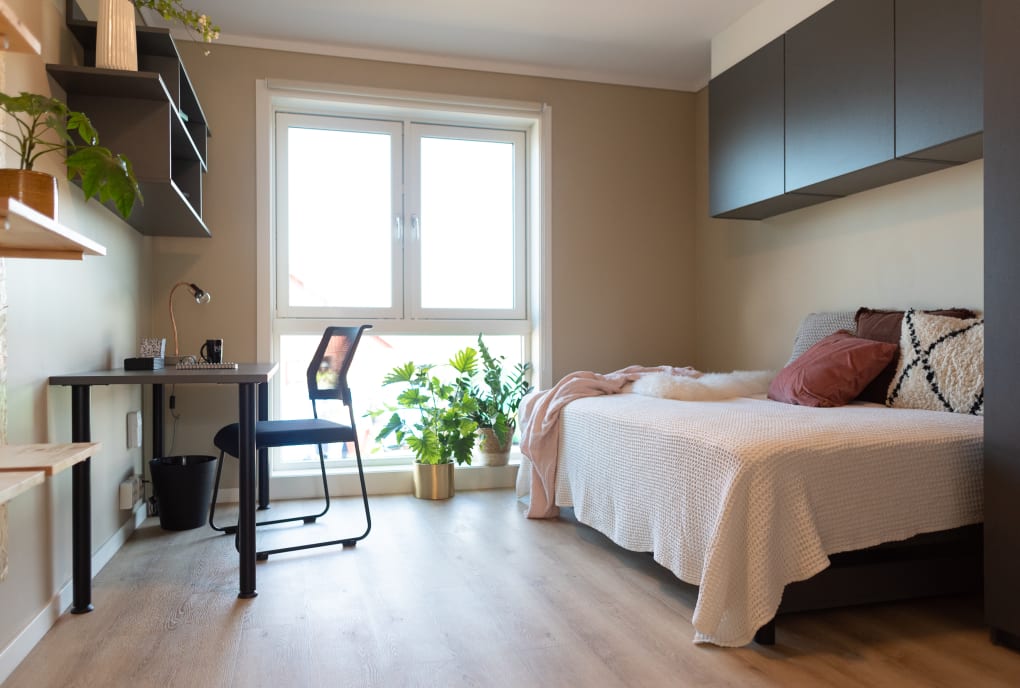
column 201, row 296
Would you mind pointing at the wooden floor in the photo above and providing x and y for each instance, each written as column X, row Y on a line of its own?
column 468, row 592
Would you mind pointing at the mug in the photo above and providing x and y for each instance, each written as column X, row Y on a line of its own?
column 212, row 351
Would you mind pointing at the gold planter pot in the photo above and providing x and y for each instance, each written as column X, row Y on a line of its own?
column 490, row 451
column 433, row 481
column 37, row 190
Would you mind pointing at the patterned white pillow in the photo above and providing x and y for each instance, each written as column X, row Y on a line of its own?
column 817, row 326
column 942, row 365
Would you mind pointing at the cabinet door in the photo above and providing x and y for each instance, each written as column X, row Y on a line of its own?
column 939, row 114
column 840, row 107
column 1002, row 340
column 745, row 134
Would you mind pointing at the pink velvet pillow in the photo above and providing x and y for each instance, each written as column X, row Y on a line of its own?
column 832, row 372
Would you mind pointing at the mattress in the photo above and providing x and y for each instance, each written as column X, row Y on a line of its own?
column 744, row 496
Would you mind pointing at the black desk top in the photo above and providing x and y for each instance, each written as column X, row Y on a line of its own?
column 244, row 373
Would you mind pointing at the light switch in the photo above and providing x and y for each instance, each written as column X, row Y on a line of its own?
column 134, row 429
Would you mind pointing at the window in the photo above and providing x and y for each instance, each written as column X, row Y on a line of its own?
column 414, row 221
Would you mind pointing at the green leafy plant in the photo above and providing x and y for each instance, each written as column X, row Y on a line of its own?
column 174, row 10
column 500, row 394
column 433, row 417
column 45, row 125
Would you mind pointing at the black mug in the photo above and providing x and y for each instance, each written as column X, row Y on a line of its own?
column 212, row 351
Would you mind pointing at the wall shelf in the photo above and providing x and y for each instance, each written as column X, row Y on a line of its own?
column 14, row 483
column 15, row 36
column 25, row 233
column 152, row 117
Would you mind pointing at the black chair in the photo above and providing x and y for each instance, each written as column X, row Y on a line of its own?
column 327, row 379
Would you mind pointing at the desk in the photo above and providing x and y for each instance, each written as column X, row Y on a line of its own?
column 248, row 377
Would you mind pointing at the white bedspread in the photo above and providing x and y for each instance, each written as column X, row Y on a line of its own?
column 743, row 496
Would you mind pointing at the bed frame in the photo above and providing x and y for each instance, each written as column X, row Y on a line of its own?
column 948, row 562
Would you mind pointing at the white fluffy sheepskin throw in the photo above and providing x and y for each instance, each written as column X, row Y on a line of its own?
column 708, row 387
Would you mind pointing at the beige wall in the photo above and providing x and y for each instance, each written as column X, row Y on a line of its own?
column 65, row 316
column 622, row 212
column 914, row 243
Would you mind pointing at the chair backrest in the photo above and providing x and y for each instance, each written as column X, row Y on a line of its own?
column 327, row 372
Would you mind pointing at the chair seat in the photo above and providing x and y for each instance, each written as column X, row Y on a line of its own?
column 285, row 433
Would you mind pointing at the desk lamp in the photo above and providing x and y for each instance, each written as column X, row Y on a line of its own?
column 201, row 296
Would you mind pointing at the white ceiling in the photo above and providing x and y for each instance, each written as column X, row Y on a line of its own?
column 657, row 43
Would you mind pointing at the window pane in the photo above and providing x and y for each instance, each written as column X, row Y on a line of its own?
column 467, row 215
column 377, row 355
column 338, row 218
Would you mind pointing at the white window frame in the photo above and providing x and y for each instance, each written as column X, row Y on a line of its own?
column 276, row 96
column 283, row 120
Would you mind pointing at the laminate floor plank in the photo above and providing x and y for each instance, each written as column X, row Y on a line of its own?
column 467, row 593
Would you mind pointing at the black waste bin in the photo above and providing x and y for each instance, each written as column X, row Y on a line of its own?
column 183, row 486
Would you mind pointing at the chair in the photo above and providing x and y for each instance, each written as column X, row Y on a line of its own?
column 327, row 379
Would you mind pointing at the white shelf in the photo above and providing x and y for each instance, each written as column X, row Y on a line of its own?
column 26, row 233
column 14, row 36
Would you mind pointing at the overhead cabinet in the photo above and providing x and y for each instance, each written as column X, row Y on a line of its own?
column 860, row 89
column 150, row 116
column 747, row 139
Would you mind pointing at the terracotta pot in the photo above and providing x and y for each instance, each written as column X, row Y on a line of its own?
column 37, row 190
column 433, row 481
column 490, row 451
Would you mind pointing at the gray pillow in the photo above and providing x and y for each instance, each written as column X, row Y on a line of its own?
column 817, row 326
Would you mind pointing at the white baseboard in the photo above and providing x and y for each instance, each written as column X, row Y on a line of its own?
column 19, row 648
column 379, row 481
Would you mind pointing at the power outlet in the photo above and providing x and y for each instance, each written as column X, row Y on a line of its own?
column 130, row 492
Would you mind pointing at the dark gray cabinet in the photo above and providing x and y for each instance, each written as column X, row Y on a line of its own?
column 873, row 91
column 151, row 116
column 841, row 101
column 746, row 138
column 939, row 80
column 1002, row 319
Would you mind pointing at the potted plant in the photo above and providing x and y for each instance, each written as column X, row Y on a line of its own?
column 498, row 399
column 43, row 125
column 434, row 419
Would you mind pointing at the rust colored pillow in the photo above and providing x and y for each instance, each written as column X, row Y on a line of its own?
column 832, row 372
column 884, row 326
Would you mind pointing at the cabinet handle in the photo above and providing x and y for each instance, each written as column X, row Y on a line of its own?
column 398, row 225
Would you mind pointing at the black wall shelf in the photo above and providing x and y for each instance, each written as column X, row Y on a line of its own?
column 152, row 117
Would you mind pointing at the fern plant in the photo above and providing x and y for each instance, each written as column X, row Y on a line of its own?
column 434, row 418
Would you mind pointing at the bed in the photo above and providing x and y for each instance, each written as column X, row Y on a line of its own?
column 745, row 497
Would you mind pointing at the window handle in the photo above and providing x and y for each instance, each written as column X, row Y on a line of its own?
column 416, row 227
column 398, row 223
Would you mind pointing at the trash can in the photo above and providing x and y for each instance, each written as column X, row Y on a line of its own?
column 183, row 487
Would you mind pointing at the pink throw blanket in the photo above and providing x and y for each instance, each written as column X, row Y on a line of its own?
column 540, row 424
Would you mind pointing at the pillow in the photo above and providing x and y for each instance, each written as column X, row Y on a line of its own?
column 817, row 326
column 832, row 372
column 884, row 326
column 942, row 366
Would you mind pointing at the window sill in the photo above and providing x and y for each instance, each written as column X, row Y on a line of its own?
column 379, row 480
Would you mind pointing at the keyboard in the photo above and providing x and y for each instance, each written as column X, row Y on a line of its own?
column 202, row 365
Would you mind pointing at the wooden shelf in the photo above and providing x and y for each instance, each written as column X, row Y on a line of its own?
column 26, row 233
column 19, row 39
column 14, row 483
column 48, row 458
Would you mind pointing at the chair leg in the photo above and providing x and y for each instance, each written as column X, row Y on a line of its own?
column 308, row 518
column 346, row 542
column 212, row 504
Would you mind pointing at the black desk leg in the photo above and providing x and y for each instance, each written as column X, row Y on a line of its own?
column 157, row 421
column 263, row 451
column 81, row 504
column 246, row 415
